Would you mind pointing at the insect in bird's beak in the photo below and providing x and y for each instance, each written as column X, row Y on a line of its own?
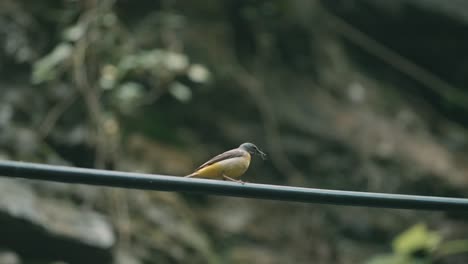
column 263, row 155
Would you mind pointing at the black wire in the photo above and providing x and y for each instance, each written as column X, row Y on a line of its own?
column 35, row 171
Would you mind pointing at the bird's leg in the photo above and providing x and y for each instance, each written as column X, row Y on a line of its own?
column 231, row 179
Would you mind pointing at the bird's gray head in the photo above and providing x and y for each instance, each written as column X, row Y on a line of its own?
column 252, row 149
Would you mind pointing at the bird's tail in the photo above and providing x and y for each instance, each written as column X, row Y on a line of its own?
column 191, row 175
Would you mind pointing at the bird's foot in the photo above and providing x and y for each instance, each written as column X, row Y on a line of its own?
column 234, row 180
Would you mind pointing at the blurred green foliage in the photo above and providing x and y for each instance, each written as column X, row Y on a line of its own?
column 118, row 73
column 419, row 245
column 48, row 67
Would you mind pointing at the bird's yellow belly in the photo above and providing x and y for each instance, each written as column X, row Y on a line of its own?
column 233, row 168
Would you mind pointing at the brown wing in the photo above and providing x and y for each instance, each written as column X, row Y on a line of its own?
column 233, row 153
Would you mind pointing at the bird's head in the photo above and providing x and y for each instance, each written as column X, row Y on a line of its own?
column 252, row 149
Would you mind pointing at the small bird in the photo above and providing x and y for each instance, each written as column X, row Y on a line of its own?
column 229, row 165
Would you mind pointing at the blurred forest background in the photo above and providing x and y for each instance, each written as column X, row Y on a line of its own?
column 353, row 94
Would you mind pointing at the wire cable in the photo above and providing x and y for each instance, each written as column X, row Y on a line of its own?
column 34, row 171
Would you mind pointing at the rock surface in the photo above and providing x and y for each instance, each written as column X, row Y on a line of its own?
column 52, row 229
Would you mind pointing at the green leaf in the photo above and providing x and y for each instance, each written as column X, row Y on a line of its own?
column 180, row 91
column 47, row 68
column 416, row 238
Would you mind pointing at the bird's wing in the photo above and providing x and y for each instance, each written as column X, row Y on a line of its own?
column 233, row 153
